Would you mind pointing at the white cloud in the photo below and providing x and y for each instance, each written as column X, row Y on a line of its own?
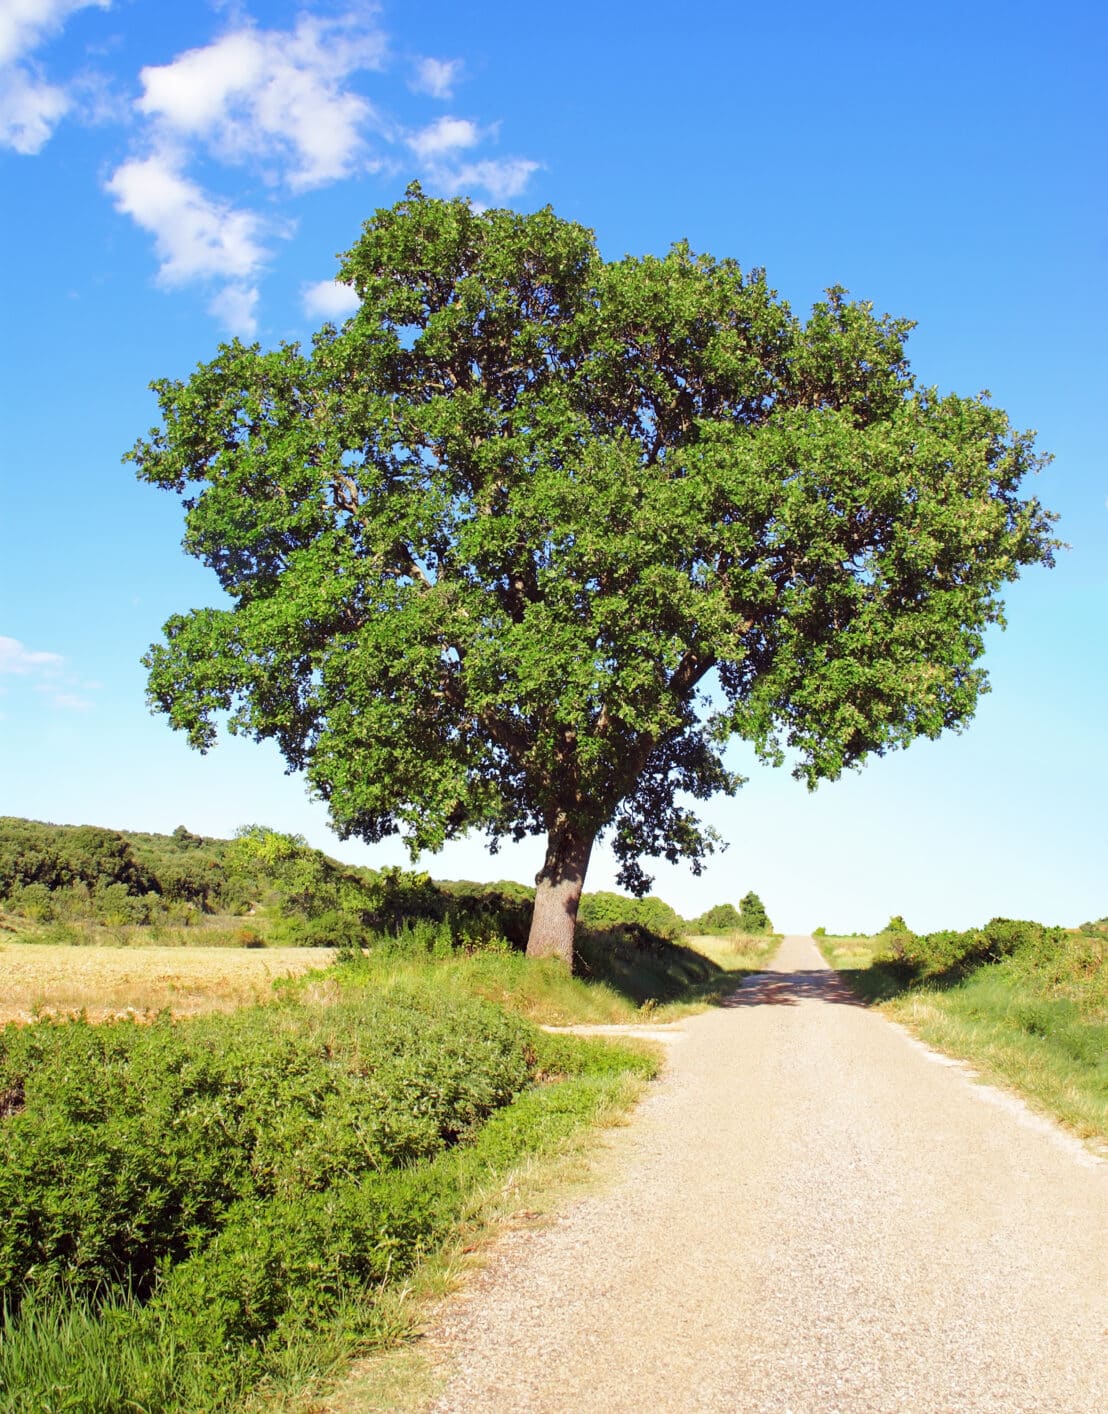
column 501, row 178
column 275, row 95
column 68, row 701
column 29, row 110
column 328, row 299
column 30, row 105
column 45, row 672
column 285, row 108
column 97, row 99
column 437, row 77
column 24, row 24
column 197, row 236
column 235, row 307
column 15, row 658
column 444, row 135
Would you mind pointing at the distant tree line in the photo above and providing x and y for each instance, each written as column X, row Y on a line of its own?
column 69, row 873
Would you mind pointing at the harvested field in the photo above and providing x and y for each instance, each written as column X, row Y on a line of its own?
column 44, row 979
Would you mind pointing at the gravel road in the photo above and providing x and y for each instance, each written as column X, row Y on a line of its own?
column 810, row 1212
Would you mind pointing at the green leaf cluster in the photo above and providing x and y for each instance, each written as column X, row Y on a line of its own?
column 189, row 1209
column 301, row 895
column 603, row 910
column 127, row 1147
column 720, row 918
column 524, row 543
column 752, row 914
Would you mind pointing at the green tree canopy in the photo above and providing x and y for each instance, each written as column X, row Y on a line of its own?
column 720, row 918
column 489, row 545
column 753, row 917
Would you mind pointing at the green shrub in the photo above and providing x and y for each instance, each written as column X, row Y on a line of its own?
column 292, row 1263
column 334, row 1133
column 129, row 1145
column 752, row 915
column 611, row 911
column 949, row 955
column 722, row 918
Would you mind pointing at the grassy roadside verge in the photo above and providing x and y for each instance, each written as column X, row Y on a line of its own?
column 396, row 1373
column 220, row 1212
column 1026, row 1006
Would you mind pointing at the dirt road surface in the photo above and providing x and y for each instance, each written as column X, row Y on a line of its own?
column 810, row 1212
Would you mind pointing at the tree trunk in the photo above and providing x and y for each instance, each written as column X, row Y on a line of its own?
column 558, row 888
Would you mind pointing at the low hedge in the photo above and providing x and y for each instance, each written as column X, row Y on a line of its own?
column 128, row 1147
column 948, row 955
column 190, row 1210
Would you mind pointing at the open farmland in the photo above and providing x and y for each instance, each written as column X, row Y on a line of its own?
column 41, row 979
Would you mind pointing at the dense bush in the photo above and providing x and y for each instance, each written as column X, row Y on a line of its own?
column 127, row 1146
column 81, row 874
column 614, row 911
column 81, row 871
column 57, row 856
column 753, row 917
column 723, row 918
column 948, row 955
column 189, row 1208
column 749, row 917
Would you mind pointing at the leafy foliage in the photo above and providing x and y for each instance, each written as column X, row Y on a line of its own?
column 301, row 896
column 187, row 1208
column 130, row 1145
column 609, row 910
column 720, row 918
column 752, row 914
column 948, row 955
column 488, row 546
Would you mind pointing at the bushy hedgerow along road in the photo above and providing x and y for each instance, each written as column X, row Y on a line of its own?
column 193, row 1210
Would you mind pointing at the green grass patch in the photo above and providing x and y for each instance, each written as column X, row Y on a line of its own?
column 622, row 975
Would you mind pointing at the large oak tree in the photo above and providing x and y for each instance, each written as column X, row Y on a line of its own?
column 527, row 540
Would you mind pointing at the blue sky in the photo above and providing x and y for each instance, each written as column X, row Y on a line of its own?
column 176, row 173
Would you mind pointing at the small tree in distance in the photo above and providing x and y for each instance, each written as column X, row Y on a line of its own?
column 720, row 918
column 752, row 914
column 489, row 546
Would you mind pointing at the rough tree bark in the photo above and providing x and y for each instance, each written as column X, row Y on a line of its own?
column 558, row 886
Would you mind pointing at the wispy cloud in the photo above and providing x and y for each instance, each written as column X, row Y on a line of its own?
column 278, row 101
column 328, row 299
column 29, row 110
column 15, row 658
column 278, row 96
column 196, row 236
column 24, row 24
column 436, row 77
column 31, row 105
column 71, row 702
column 236, row 308
column 502, row 178
column 444, row 135
column 46, row 673
column 225, row 128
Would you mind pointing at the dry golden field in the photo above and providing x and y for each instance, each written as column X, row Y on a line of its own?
column 46, row 979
